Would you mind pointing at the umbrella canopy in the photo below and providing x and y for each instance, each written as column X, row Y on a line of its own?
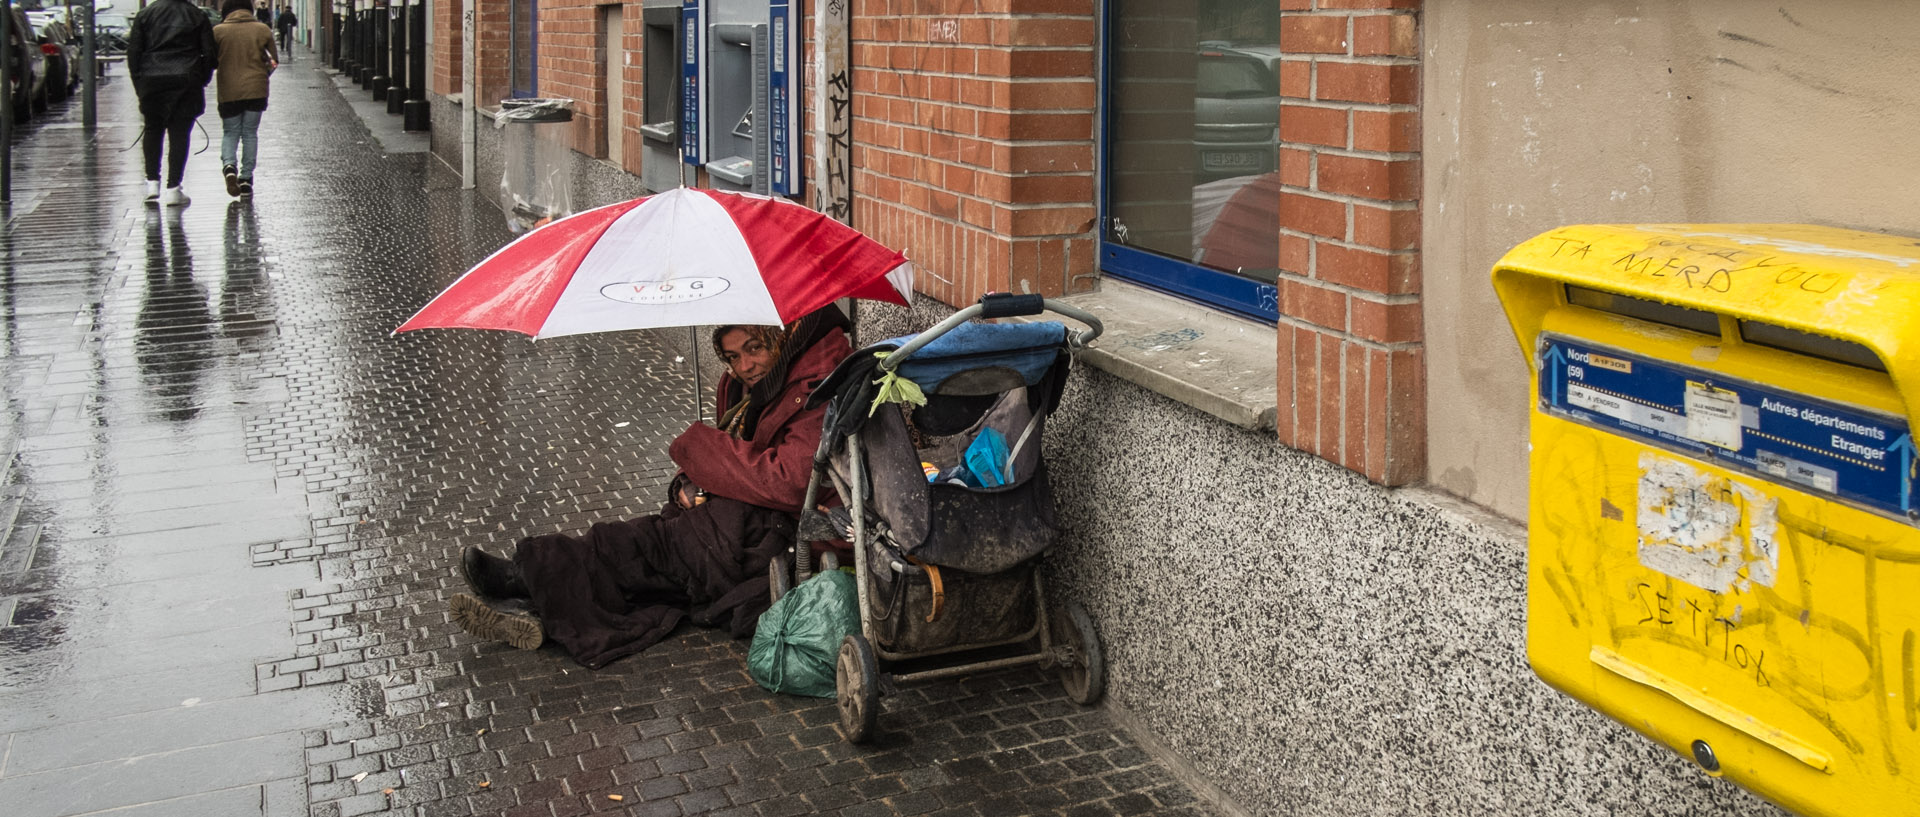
column 686, row 257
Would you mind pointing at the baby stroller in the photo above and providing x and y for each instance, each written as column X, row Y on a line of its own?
column 948, row 506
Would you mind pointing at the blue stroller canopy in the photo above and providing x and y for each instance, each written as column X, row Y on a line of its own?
column 1027, row 348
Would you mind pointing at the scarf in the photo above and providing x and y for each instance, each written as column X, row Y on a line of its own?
column 788, row 343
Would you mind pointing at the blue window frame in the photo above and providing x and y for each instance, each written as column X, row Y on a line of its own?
column 523, row 24
column 1189, row 148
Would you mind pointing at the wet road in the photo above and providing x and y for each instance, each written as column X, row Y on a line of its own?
column 229, row 504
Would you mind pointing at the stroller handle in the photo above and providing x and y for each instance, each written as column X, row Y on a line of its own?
column 993, row 305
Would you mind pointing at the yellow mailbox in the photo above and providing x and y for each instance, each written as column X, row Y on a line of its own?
column 1722, row 543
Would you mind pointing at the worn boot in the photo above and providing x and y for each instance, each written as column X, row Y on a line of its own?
column 492, row 577
column 507, row 621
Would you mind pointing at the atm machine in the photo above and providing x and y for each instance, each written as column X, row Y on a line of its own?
column 739, row 88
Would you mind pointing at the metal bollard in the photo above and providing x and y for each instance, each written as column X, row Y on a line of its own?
column 416, row 110
column 396, row 56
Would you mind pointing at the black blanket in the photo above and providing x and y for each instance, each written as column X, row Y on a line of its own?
column 625, row 585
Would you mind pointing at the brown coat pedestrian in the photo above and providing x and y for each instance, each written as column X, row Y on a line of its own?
column 247, row 56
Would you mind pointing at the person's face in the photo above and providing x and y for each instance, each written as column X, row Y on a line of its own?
column 745, row 356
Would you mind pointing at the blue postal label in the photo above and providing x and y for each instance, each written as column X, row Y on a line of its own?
column 1864, row 457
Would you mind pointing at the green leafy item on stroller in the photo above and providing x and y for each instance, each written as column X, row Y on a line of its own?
column 798, row 640
column 895, row 389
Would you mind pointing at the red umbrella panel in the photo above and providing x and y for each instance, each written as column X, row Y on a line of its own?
column 686, row 257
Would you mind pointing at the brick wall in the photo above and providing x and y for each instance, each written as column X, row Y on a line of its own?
column 569, row 68
column 1350, row 340
column 571, row 65
column 447, row 44
column 973, row 140
column 492, row 38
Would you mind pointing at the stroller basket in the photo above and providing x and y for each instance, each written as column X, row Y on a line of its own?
column 950, row 500
column 949, row 522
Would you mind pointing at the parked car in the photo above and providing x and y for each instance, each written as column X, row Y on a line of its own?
column 45, row 16
column 1236, row 110
column 62, row 57
column 110, row 33
column 28, row 64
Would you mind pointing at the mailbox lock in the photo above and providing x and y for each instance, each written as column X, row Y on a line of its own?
column 1703, row 755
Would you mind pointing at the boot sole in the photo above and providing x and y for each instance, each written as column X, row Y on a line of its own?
column 233, row 184
column 480, row 620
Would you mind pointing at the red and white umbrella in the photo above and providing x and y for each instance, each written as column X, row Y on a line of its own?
column 686, row 257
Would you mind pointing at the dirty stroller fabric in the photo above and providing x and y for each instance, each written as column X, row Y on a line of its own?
column 625, row 585
column 798, row 641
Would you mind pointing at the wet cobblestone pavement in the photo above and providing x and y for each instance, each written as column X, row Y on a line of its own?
column 230, row 502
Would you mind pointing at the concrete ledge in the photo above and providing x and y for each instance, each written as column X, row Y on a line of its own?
column 1190, row 353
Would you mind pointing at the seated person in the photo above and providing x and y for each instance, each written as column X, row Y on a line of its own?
column 625, row 585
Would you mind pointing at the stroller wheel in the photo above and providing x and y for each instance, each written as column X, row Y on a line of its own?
column 857, row 687
column 1085, row 677
column 779, row 576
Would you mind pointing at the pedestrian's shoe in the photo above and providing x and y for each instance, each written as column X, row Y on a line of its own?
column 174, row 197
column 246, row 189
column 233, row 180
column 153, row 192
column 504, row 621
column 492, row 577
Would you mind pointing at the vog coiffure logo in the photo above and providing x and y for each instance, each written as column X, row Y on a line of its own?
column 670, row 291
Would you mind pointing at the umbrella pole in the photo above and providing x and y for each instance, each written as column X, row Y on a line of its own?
column 693, row 340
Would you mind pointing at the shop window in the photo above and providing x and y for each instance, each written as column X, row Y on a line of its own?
column 1191, row 150
column 524, row 46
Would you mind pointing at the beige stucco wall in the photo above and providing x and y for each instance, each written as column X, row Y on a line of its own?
column 1539, row 113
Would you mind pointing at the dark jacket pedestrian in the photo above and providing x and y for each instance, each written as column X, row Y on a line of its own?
column 625, row 585
column 286, row 21
column 247, row 58
column 170, row 58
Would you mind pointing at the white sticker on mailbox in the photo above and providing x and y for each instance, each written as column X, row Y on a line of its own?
column 1713, row 415
column 1709, row 531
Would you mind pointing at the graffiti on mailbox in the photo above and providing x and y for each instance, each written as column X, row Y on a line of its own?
column 1701, row 265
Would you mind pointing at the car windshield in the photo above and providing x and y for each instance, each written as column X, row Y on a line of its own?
column 1227, row 77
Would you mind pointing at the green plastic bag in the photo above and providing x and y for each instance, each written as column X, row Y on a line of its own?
column 798, row 640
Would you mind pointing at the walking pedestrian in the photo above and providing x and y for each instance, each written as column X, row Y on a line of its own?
column 286, row 21
column 246, row 58
column 170, row 54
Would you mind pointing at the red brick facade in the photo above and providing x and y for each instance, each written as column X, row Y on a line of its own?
column 570, row 69
column 447, row 46
column 1350, row 343
column 973, row 140
column 974, row 153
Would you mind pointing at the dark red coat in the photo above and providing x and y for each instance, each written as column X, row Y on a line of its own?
column 771, row 469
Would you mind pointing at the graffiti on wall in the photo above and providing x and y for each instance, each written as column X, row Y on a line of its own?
column 833, row 110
